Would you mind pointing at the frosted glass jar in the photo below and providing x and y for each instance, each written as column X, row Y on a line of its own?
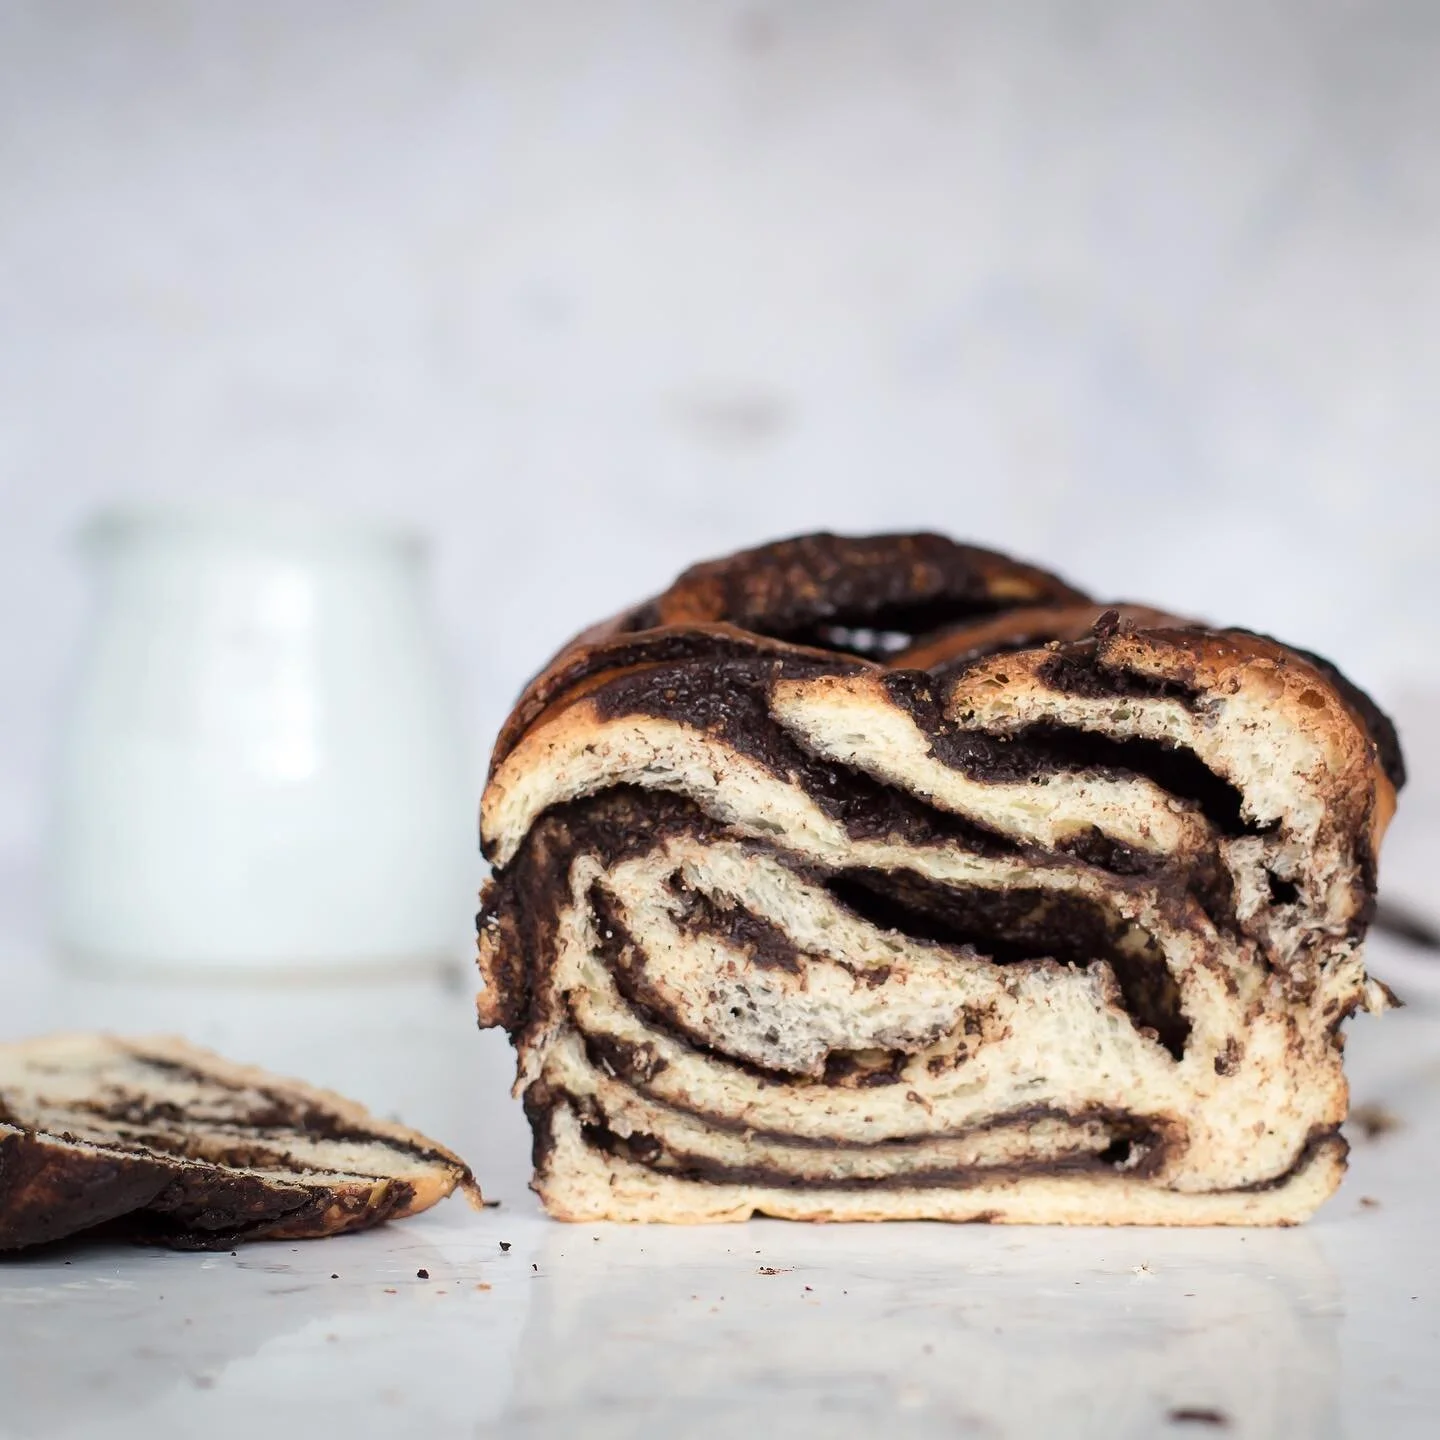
column 262, row 767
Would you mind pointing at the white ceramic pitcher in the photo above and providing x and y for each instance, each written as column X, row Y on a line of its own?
column 262, row 768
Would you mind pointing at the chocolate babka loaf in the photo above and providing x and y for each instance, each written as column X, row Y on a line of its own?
column 889, row 878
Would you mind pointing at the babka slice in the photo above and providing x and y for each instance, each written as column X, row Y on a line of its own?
column 887, row 878
column 160, row 1141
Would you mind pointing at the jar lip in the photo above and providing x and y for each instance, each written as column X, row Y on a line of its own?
column 270, row 521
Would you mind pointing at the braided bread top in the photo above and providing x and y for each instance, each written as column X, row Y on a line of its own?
column 896, row 602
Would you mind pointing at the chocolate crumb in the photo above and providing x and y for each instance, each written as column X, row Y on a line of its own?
column 534, row 1267
column 504, row 1244
column 422, row 1274
column 490, row 1204
column 390, row 1290
column 1369, row 1202
column 333, row 1275
column 1106, row 625
column 1373, row 1121
column 1198, row 1415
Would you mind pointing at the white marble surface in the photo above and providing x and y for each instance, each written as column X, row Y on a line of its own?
column 913, row 1330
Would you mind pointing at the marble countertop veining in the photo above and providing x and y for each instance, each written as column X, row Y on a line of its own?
column 1332, row 1329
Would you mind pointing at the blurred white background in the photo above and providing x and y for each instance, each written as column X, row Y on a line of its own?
column 587, row 291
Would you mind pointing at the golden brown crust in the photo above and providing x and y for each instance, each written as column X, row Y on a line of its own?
column 1213, row 662
column 587, row 663
column 775, row 599
column 1023, row 628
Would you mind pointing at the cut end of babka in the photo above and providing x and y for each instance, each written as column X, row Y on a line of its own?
column 890, row 878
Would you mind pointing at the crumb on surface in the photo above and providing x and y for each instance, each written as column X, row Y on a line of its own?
column 422, row 1274
column 1374, row 1120
column 1198, row 1415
